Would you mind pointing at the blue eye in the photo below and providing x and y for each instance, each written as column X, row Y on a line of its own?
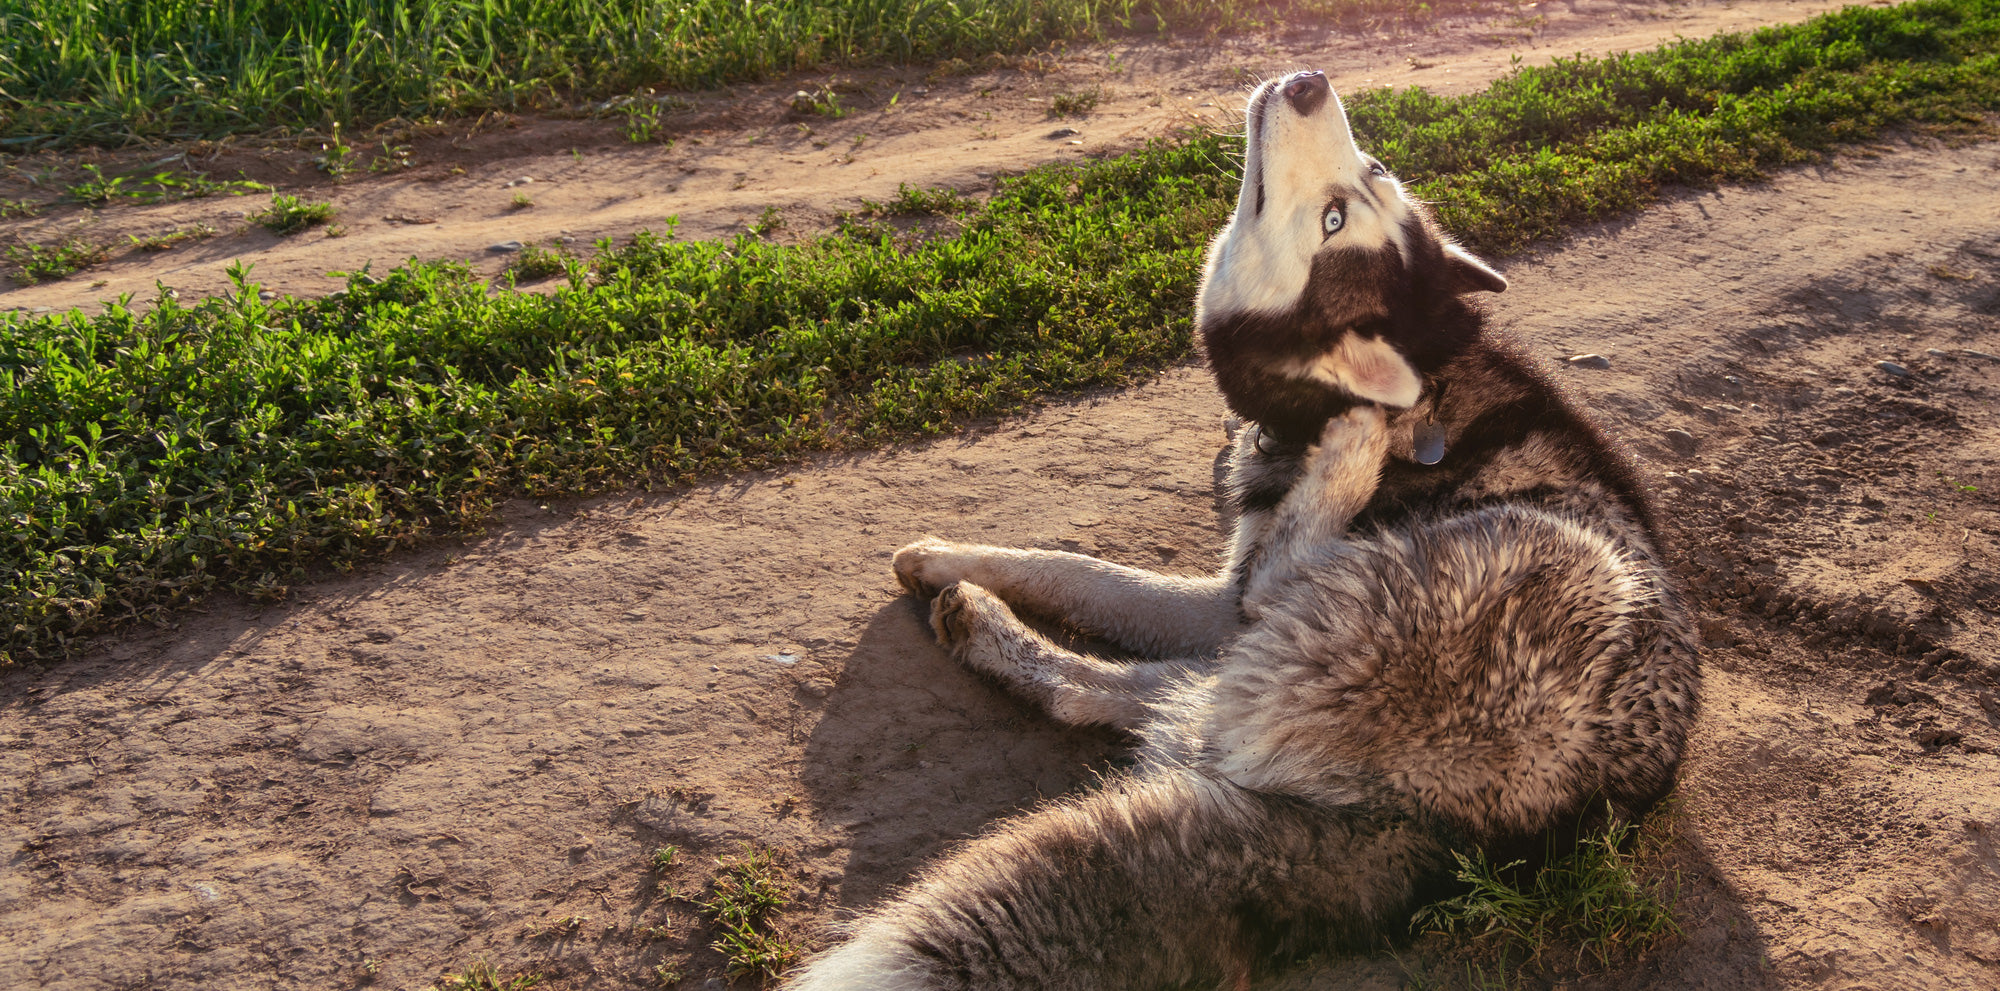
column 1332, row 221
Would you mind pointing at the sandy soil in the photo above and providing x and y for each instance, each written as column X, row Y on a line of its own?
column 416, row 765
column 734, row 154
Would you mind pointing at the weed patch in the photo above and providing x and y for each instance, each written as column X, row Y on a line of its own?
column 1074, row 104
column 822, row 102
column 147, row 456
column 97, row 189
column 536, row 263
column 911, row 201
column 742, row 902
column 482, row 976
column 289, row 215
column 48, row 262
column 172, row 238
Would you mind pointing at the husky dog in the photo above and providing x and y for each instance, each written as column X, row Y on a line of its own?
column 1442, row 623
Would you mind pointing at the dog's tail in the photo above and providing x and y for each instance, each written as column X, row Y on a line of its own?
column 1153, row 881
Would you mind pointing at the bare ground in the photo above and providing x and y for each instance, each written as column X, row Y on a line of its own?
column 418, row 764
column 734, row 154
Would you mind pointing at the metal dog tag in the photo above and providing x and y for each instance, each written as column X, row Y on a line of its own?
column 1428, row 439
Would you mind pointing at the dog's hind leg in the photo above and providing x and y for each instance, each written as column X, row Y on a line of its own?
column 1145, row 612
column 985, row 635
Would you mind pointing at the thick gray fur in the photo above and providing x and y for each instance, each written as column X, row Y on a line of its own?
column 1393, row 663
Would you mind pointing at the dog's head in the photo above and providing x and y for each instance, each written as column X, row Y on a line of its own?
column 1330, row 285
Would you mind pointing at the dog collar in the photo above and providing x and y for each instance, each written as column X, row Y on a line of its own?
column 1272, row 445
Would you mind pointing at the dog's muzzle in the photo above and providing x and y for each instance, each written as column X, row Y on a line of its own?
column 1307, row 92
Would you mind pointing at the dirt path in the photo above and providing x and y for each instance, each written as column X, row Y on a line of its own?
column 735, row 154
column 415, row 767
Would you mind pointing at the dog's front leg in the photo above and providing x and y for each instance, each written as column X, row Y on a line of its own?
column 1142, row 611
column 1339, row 476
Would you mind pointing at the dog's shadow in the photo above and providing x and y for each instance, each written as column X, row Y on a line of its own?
column 914, row 753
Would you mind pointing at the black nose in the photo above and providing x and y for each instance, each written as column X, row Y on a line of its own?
column 1307, row 91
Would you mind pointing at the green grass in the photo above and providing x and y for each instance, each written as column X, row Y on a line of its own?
column 150, row 454
column 1594, row 900
column 743, row 900
column 99, row 72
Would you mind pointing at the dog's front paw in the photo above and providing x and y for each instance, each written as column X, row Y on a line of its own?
column 1360, row 434
column 960, row 611
column 924, row 567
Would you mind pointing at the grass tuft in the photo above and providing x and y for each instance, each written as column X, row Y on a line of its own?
column 1074, row 104
column 742, row 903
column 536, row 263
column 1593, row 900
column 291, row 214
column 482, row 976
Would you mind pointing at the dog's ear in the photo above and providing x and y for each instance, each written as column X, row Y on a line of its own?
column 1465, row 273
column 1368, row 368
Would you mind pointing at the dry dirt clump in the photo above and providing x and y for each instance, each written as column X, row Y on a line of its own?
column 473, row 753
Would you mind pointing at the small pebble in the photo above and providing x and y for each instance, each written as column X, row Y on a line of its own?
column 634, row 615
column 1063, row 132
column 524, row 180
column 1590, row 361
column 1893, row 369
column 1968, row 352
column 504, row 247
column 1935, row 353
column 267, row 295
column 1682, row 441
column 786, row 659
